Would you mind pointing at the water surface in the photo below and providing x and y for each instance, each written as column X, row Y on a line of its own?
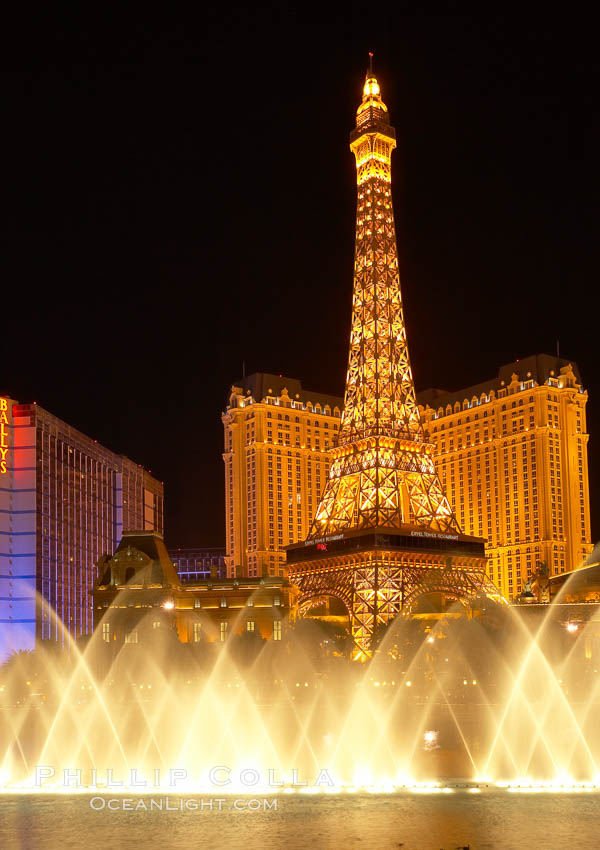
column 490, row 820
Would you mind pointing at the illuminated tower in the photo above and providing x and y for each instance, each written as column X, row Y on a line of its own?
column 382, row 472
column 382, row 475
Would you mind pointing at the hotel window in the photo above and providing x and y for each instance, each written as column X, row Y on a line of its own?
column 250, row 625
column 223, row 632
column 131, row 636
column 277, row 630
column 223, row 602
column 198, row 632
column 156, row 624
column 106, row 632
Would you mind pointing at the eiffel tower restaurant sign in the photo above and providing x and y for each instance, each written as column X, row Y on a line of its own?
column 384, row 534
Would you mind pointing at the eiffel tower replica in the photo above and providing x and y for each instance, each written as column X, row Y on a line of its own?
column 384, row 534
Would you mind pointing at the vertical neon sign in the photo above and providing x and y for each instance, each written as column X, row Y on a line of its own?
column 3, row 435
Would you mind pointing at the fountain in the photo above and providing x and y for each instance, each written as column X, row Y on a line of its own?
column 497, row 697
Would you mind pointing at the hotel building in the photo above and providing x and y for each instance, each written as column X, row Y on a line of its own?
column 277, row 442
column 64, row 501
column 138, row 592
column 512, row 456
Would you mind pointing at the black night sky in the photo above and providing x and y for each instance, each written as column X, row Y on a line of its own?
column 179, row 198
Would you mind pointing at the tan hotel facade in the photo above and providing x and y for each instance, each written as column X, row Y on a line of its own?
column 511, row 454
column 277, row 442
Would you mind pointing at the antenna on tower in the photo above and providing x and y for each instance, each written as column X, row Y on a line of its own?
column 370, row 64
column 243, row 369
column 558, row 347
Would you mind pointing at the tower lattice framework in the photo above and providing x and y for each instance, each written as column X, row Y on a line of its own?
column 382, row 471
column 384, row 533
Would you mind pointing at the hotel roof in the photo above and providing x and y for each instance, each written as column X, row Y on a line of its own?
column 536, row 367
column 261, row 385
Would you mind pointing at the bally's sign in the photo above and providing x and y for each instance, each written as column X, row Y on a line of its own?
column 4, row 413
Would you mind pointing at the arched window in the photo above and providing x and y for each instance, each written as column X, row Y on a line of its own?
column 129, row 574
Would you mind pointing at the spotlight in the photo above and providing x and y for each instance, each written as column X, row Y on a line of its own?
column 430, row 739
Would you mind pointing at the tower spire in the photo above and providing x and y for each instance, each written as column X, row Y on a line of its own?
column 382, row 472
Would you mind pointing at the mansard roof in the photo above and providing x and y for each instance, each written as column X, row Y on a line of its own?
column 536, row 367
column 262, row 385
